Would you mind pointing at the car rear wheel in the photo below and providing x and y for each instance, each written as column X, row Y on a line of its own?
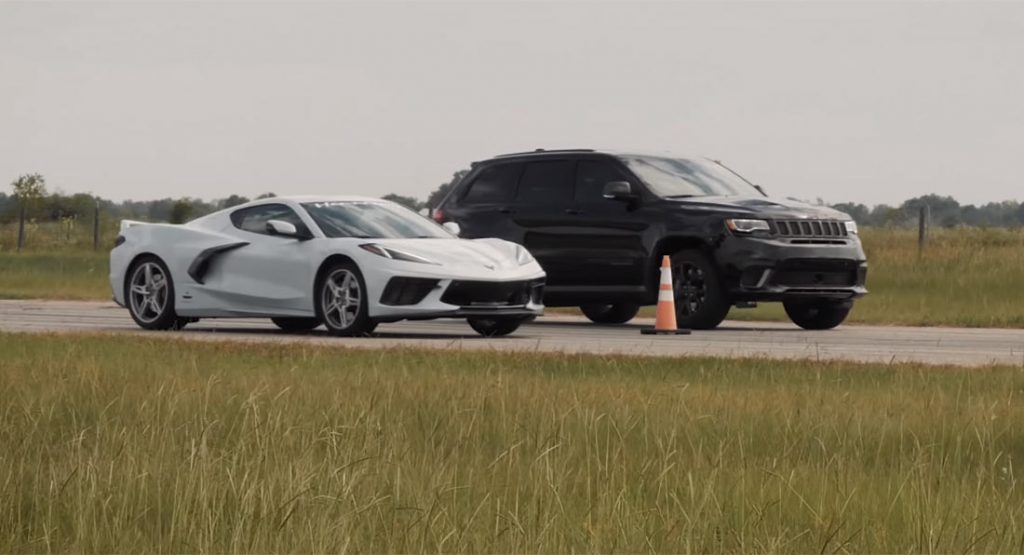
column 494, row 327
column 817, row 314
column 615, row 313
column 149, row 293
column 702, row 301
column 341, row 301
column 296, row 324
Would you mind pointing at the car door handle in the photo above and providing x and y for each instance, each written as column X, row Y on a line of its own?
column 507, row 210
column 573, row 211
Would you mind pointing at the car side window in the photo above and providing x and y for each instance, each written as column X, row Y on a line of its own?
column 591, row 177
column 495, row 184
column 254, row 219
column 546, row 182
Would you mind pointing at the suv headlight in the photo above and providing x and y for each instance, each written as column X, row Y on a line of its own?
column 851, row 227
column 395, row 254
column 747, row 226
column 523, row 256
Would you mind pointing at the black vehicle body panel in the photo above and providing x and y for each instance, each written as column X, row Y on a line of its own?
column 600, row 250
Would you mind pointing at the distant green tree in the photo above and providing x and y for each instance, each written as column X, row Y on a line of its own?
column 266, row 195
column 181, row 210
column 233, row 200
column 28, row 189
column 411, row 203
column 437, row 195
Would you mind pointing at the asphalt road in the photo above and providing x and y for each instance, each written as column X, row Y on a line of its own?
column 959, row 346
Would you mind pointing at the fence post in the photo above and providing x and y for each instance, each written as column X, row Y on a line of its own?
column 21, row 225
column 922, row 227
column 96, row 227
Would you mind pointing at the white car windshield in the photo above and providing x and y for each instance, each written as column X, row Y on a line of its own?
column 688, row 177
column 371, row 220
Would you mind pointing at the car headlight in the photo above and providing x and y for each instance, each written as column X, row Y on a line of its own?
column 851, row 227
column 523, row 256
column 395, row 254
column 747, row 226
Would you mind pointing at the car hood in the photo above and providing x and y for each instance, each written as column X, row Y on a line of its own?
column 488, row 253
column 761, row 206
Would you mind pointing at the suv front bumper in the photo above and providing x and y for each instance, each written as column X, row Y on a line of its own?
column 774, row 269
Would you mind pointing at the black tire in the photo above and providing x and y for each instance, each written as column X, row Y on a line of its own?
column 817, row 314
column 702, row 301
column 149, row 295
column 292, row 324
column 494, row 327
column 350, row 320
column 615, row 313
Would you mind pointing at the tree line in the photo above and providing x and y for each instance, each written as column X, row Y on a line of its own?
column 40, row 204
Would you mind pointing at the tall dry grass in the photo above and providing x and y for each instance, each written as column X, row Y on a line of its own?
column 115, row 445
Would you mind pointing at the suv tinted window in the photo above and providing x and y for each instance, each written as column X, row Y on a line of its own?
column 591, row 177
column 255, row 219
column 547, row 181
column 494, row 184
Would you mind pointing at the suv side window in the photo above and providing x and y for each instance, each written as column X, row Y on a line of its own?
column 546, row 181
column 255, row 219
column 591, row 177
column 494, row 185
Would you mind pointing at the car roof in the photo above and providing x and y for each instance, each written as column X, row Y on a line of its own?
column 558, row 152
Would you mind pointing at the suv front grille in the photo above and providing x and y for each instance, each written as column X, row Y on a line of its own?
column 810, row 228
column 493, row 293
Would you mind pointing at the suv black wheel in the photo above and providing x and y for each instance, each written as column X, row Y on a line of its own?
column 341, row 302
column 494, row 327
column 296, row 324
column 701, row 300
column 817, row 314
column 149, row 294
column 615, row 313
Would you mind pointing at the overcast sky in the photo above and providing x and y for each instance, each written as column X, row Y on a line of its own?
column 872, row 102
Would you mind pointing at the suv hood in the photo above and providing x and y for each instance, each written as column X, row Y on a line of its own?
column 761, row 206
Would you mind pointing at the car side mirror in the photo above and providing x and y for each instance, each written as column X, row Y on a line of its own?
column 284, row 229
column 452, row 227
column 618, row 190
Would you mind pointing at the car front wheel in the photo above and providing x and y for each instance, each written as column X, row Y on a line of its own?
column 701, row 299
column 817, row 314
column 341, row 301
column 615, row 313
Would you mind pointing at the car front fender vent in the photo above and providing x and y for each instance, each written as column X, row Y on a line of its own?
column 405, row 291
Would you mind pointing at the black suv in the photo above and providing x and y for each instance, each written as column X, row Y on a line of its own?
column 599, row 223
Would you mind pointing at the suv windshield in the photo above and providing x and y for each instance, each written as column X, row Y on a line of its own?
column 371, row 220
column 688, row 177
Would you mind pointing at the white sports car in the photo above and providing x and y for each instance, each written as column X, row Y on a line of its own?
column 347, row 263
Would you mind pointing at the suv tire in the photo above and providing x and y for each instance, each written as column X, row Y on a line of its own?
column 702, row 301
column 494, row 327
column 817, row 314
column 296, row 324
column 615, row 313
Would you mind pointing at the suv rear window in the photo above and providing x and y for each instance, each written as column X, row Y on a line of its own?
column 548, row 181
column 494, row 184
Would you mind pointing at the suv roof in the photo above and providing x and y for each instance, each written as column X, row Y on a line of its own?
column 541, row 152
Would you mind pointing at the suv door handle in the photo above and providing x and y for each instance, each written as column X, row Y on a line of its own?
column 573, row 211
column 507, row 210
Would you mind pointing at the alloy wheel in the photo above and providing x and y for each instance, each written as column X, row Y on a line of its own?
column 691, row 288
column 341, row 298
column 148, row 292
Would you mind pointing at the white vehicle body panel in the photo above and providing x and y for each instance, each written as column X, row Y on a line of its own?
column 251, row 274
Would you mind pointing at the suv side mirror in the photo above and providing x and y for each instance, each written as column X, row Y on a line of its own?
column 452, row 227
column 284, row 229
column 618, row 190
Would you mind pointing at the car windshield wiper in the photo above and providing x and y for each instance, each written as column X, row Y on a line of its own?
column 679, row 196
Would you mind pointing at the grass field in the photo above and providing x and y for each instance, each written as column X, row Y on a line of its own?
column 161, row 445
column 966, row 277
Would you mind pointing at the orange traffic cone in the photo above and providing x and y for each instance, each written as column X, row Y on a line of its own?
column 665, row 319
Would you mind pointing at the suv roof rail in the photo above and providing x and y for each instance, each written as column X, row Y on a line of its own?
column 544, row 151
